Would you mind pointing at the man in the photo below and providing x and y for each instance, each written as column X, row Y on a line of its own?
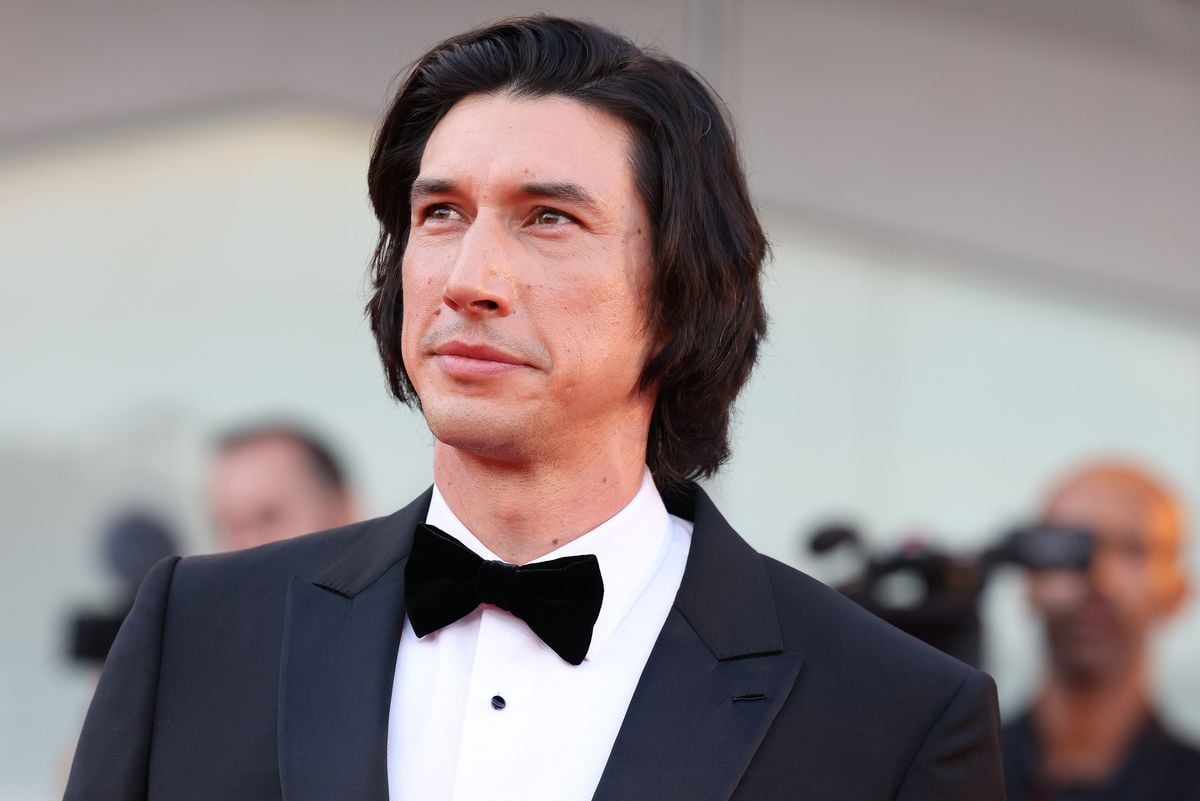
column 1091, row 734
column 272, row 481
column 567, row 283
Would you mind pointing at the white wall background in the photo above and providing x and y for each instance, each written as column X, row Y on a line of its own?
column 985, row 271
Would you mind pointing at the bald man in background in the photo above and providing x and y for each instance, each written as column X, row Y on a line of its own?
column 1092, row 733
column 274, row 481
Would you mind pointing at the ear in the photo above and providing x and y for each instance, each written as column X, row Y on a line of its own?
column 1176, row 593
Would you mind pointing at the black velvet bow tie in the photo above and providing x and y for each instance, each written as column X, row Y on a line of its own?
column 559, row 599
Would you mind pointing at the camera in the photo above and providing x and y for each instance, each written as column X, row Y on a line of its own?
column 934, row 594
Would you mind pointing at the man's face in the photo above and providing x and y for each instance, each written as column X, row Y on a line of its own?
column 525, row 280
column 1097, row 621
column 264, row 490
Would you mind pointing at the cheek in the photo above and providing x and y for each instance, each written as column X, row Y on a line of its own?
column 604, row 323
column 618, row 304
column 1123, row 577
column 1053, row 591
column 420, row 282
column 422, row 296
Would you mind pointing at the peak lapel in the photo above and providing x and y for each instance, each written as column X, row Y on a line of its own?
column 341, row 633
column 714, row 682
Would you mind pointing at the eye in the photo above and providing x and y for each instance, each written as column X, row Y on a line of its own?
column 551, row 217
column 441, row 212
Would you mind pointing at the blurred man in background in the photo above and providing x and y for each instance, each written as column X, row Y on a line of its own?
column 273, row 481
column 1091, row 733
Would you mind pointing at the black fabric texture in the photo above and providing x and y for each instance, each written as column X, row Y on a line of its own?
column 558, row 599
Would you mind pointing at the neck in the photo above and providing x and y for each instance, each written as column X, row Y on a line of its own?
column 1086, row 727
column 521, row 511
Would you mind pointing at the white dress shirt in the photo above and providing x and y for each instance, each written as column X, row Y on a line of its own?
column 550, row 740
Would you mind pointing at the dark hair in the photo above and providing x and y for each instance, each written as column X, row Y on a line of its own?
column 707, row 244
column 324, row 464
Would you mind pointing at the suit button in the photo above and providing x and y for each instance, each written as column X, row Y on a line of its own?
column 498, row 702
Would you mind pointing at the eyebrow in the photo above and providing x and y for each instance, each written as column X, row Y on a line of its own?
column 551, row 190
column 561, row 190
column 423, row 187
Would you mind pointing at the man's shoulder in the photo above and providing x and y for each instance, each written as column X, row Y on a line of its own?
column 840, row 642
column 872, row 707
column 813, row 615
column 1178, row 754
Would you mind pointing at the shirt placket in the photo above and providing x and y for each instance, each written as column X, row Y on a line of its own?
column 498, row 710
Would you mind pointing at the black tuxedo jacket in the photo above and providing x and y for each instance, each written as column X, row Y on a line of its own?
column 267, row 674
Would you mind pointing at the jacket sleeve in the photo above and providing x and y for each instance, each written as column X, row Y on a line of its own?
column 112, row 758
column 960, row 757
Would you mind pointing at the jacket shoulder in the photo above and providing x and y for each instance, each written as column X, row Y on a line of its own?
column 814, row 617
column 875, row 712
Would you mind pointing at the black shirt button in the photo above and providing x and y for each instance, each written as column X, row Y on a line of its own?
column 498, row 702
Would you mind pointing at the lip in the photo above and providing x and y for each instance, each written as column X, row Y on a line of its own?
column 475, row 360
column 1090, row 621
column 478, row 352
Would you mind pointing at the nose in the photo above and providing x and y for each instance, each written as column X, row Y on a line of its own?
column 479, row 283
column 1102, row 573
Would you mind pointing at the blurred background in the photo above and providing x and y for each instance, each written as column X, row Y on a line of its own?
column 986, row 227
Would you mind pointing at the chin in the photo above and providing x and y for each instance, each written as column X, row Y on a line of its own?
column 494, row 436
column 1091, row 663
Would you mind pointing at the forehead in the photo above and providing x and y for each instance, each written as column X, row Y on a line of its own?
column 1112, row 507
column 487, row 140
column 259, row 460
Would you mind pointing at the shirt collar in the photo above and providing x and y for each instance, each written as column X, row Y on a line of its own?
column 629, row 546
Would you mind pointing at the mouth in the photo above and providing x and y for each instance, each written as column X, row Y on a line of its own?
column 1089, row 621
column 478, row 352
column 465, row 360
